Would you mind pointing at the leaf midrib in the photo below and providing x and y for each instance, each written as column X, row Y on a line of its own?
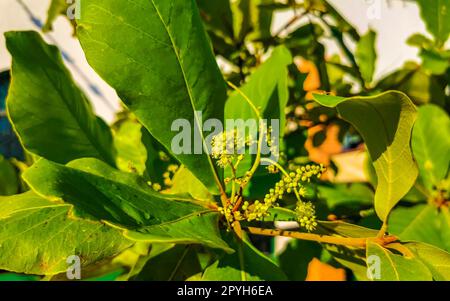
column 191, row 98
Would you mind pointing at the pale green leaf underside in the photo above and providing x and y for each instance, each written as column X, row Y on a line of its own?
column 37, row 236
column 157, row 56
column 385, row 122
column 55, row 120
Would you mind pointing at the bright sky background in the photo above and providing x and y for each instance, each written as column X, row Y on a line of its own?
column 397, row 21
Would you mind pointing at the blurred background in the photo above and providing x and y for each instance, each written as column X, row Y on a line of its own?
column 394, row 20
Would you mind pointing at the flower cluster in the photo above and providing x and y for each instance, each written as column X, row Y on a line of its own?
column 228, row 146
column 306, row 215
column 290, row 183
column 168, row 175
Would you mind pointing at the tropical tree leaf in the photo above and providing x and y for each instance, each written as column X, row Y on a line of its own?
column 420, row 223
column 72, row 130
column 170, row 69
column 431, row 144
column 385, row 121
column 437, row 260
column 37, row 236
column 395, row 267
column 102, row 193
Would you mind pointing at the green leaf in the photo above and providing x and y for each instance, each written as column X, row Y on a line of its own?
column 366, row 55
column 436, row 15
column 157, row 56
column 385, row 121
column 247, row 264
column 437, row 260
column 131, row 152
column 419, row 223
column 37, row 236
column 184, row 182
column 9, row 182
column 56, row 120
column 102, row 193
column 395, row 267
column 431, row 144
column 296, row 257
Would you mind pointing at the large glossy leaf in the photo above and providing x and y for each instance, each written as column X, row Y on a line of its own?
column 37, row 236
column 247, row 264
column 366, row 55
column 394, row 267
column 51, row 115
column 157, row 56
column 431, row 144
column 101, row 193
column 436, row 15
column 385, row 121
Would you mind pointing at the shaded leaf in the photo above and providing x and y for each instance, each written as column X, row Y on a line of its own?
column 9, row 182
column 247, row 264
column 175, row 264
column 294, row 260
